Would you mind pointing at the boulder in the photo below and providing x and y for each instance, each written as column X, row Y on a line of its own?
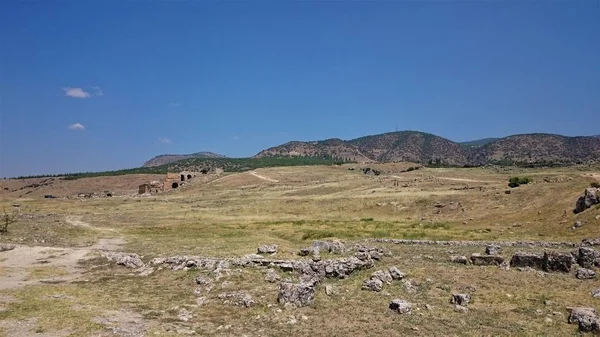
column 132, row 261
column 459, row 259
column 396, row 273
column 585, row 274
column 334, row 247
column 586, row 319
column 590, row 197
column 299, row 294
column 493, row 250
column 596, row 293
column 486, row 260
column 557, row 262
column 272, row 276
column 400, row 306
column 267, row 249
column 373, row 284
column 586, row 257
column 460, row 299
column 383, row 275
column 237, row 298
column 523, row 260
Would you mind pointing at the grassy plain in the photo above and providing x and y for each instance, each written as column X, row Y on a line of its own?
column 291, row 207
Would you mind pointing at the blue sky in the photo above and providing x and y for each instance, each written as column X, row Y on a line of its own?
column 97, row 85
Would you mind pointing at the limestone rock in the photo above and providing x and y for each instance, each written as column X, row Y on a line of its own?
column 373, row 284
column 334, row 247
column 267, row 249
column 400, row 306
column 486, row 260
column 523, row 260
column 300, row 294
column 596, row 293
column 237, row 298
column 459, row 259
column 586, row 257
column 132, row 261
column 586, row 318
column 383, row 275
column 330, row 290
column 396, row 273
column 272, row 276
column 557, row 262
column 460, row 299
column 493, row 250
column 585, row 274
column 590, row 197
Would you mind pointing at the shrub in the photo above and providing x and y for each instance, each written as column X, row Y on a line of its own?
column 517, row 181
column 595, row 184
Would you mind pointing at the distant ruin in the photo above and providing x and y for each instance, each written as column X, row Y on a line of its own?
column 176, row 180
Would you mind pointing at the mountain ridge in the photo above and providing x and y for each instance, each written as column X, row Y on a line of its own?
column 170, row 158
column 426, row 148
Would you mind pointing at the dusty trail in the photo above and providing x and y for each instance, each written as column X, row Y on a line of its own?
column 263, row 177
column 17, row 264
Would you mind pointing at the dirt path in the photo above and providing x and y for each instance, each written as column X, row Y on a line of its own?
column 263, row 177
column 466, row 180
column 54, row 265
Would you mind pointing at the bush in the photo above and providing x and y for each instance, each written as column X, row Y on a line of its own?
column 517, row 181
column 595, row 184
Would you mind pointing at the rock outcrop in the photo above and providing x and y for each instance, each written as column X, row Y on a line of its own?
column 400, row 306
column 586, row 319
column 590, row 197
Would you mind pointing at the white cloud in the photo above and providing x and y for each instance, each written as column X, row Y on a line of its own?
column 175, row 104
column 77, row 127
column 165, row 140
column 97, row 91
column 76, row 92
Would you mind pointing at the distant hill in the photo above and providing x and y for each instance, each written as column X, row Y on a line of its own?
column 538, row 148
column 478, row 142
column 426, row 148
column 169, row 158
column 388, row 147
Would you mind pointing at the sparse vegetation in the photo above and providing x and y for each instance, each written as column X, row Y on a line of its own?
column 595, row 184
column 518, row 181
column 7, row 219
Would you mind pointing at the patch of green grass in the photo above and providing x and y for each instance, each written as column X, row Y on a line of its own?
column 315, row 234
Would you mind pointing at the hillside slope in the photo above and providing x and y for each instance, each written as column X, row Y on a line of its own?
column 170, row 158
column 426, row 148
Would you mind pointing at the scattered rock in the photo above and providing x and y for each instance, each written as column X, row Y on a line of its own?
column 373, row 284
column 396, row 273
column 184, row 315
column 590, row 197
column 586, row 318
column 577, row 224
column 400, row 306
column 237, row 298
column 6, row 247
column 334, row 247
column 486, row 260
column 201, row 280
column 586, row 257
column 267, row 249
column 272, row 276
column 461, row 309
column 523, row 260
column 330, row 290
column 300, row 294
column 460, row 299
column 292, row 320
column 132, row 261
column 383, row 275
column 596, row 293
column 459, row 259
column 557, row 262
column 585, row 274
column 493, row 250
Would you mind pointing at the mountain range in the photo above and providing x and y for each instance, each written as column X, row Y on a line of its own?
column 426, row 148
column 169, row 158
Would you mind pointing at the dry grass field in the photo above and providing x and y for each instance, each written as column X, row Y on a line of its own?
column 56, row 281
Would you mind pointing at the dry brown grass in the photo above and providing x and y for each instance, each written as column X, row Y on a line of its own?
column 233, row 215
